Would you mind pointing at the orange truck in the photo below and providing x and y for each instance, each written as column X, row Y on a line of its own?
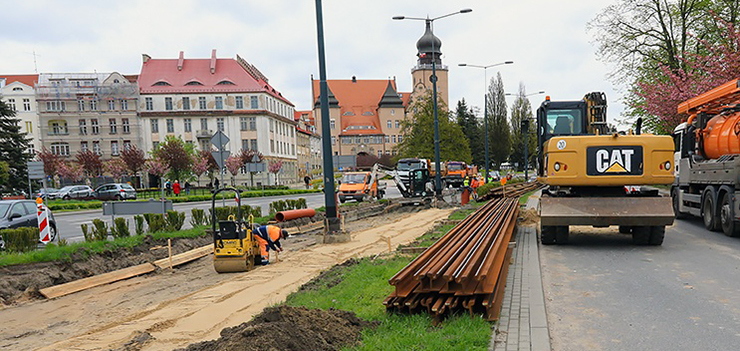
column 456, row 173
column 360, row 186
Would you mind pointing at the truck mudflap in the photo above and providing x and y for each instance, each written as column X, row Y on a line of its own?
column 605, row 211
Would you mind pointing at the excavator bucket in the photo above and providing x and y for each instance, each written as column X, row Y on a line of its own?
column 605, row 211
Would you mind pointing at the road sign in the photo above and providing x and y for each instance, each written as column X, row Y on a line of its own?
column 256, row 167
column 220, row 157
column 219, row 140
column 35, row 170
column 255, row 158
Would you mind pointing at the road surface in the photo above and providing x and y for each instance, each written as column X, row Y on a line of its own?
column 603, row 293
column 68, row 223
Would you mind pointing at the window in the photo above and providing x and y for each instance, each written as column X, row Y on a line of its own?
column 96, row 148
column 272, row 145
column 113, row 126
column 155, row 125
column 253, row 102
column 333, row 124
column 127, row 144
column 194, row 82
column 380, row 153
column 29, row 127
column 243, row 123
column 61, row 149
column 126, row 126
column 57, row 128
column 83, row 146
column 55, row 106
column 292, row 132
column 400, row 138
column 188, row 125
column 333, row 140
column 93, row 105
column 245, row 144
column 203, row 124
column 149, row 104
column 393, row 138
column 398, row 124
column 219, row 103
column 292, row 148
column 185, row 103
column 220, row 123
column 390, row 124
column 239, row 102
column 26, row 104
column 17, row 89
column 162, row 84
column 387, row 138
column 272, row 125
column 564, row 121
column 252, row 123
column 111, row 105
column 11, row 103
column 95, row 127
column 393, row 112
column 170, row 125
column 168, row 103
column 114, row 147
column 124, row 104
column 224, row 82
column 202, row 102
column 253, row 144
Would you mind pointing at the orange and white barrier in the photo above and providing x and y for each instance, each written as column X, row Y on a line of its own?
column 42, row 214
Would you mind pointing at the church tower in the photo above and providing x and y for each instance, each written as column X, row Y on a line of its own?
column 428, row 47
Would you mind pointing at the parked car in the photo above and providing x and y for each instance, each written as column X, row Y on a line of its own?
column 74, row 192
column 115, row 191
column 48, row 192
column 22, row 213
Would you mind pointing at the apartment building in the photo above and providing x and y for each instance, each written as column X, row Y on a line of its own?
column 308, row 144
column 18, row 92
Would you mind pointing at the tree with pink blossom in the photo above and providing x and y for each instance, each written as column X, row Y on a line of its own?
column 70, row 171
column 116, row 168
column 200, row 166
column 233, row 164
column 274, row 168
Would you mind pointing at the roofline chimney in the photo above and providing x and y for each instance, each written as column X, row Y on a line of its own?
column 180, row 61
column 213, row 61
column 354, row 79
column 145, row 57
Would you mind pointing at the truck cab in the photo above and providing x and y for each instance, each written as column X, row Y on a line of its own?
column 359, row 186
column 456, row 173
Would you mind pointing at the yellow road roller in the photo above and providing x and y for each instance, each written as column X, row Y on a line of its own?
column 234, row 247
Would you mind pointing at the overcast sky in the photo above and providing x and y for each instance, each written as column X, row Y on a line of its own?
column 546, row 39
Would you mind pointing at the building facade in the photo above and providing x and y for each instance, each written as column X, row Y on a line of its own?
column 87, row 111
column 194, row 98
column 308, row 144
column 18, row 92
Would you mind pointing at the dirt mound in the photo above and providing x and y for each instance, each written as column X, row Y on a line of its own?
column 528, row 217
column 22, row 282
column 290, row 328
column 330, row 277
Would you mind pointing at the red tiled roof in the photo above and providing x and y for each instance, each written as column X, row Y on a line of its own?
column 199, row 70
column 358, row 103
column 406, row 98
column 27, row 79
column 131, row 77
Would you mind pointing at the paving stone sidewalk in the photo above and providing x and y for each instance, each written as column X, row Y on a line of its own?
column 523, row 322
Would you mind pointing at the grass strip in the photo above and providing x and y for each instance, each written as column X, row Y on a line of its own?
column 362, row 287
column 53, row 252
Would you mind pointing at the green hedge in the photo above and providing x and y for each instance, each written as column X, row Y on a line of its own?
column 286, row 205
column 20, row 239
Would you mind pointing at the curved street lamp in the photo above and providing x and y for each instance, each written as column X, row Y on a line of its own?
column 485, row 104
column 437, row 168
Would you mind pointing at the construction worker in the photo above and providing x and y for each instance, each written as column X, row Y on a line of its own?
column 268, row 237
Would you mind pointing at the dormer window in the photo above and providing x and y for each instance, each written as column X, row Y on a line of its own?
column 17, row 89
column 367, row 113
column 225, row 82
column 161, row 83
column 194, row 82
column 116, row 81
column 348, row 113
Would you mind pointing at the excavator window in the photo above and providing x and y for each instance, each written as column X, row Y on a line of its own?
column 564, row 122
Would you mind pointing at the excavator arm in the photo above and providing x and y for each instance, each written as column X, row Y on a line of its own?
column 378, row 168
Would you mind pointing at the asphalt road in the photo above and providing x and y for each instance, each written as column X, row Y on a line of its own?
column 603, row 293
column 68, row 223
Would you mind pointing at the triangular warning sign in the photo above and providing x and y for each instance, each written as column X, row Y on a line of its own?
column 616, row 168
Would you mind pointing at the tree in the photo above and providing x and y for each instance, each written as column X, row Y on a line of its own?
column 233, row 164
column 472, row 129
column 134, row 159
column 248, row 157
column 52, row 162
column 13, row 150
column 116, row 168
column 157, row 168
column 274, row 168
column 177, row 155
column 212, row 165
column 366, row 161
column 200, row 166
column 499, row 135
column 4, row 173
column 418, row 133
column 522, row 110
column 91, row 163
column 71, row 171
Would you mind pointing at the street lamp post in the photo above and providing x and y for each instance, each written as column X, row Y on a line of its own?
column 433, row 78
column 485, row 105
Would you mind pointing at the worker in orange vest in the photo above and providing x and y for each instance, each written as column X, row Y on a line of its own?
column 268, row 237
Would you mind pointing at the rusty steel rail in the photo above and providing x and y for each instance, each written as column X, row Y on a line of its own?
column 513, row 190
column 465, row 270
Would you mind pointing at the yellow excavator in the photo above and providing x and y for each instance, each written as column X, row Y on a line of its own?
column 595, row 177
column 234, row 247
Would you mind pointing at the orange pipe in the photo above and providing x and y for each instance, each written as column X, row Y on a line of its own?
column 294, row 214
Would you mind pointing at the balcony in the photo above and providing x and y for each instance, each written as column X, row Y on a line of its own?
column 203, row 134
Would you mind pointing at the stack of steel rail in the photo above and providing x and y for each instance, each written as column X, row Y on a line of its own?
column 464, row 270
column 513, row 190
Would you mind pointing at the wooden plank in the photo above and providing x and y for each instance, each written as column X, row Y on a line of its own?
column 97, row 280
column 185, row 257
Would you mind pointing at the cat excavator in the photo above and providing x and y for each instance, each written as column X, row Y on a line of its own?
column 596, row 177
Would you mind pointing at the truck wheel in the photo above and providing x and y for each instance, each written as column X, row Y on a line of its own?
column 547, row 234
column 641, row 235
column 561, row 234
column 707, row 211
column 729, row 226
column 341, row 199
column 625, row 229
column 674, row 198
column 657, row 233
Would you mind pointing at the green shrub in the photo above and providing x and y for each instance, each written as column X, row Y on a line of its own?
column 120, row 229
column 139, row 224
column 286, row 205
column 100, row 230
column 156, row 222
column 86, row 233
column 20, row 239
column 174, row 220
column 197, row 217
column 63, row 242
column 485, row 188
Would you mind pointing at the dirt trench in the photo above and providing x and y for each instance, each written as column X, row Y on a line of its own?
column 193, row 303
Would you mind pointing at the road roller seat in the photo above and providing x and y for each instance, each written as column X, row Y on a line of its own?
column 228, row 230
